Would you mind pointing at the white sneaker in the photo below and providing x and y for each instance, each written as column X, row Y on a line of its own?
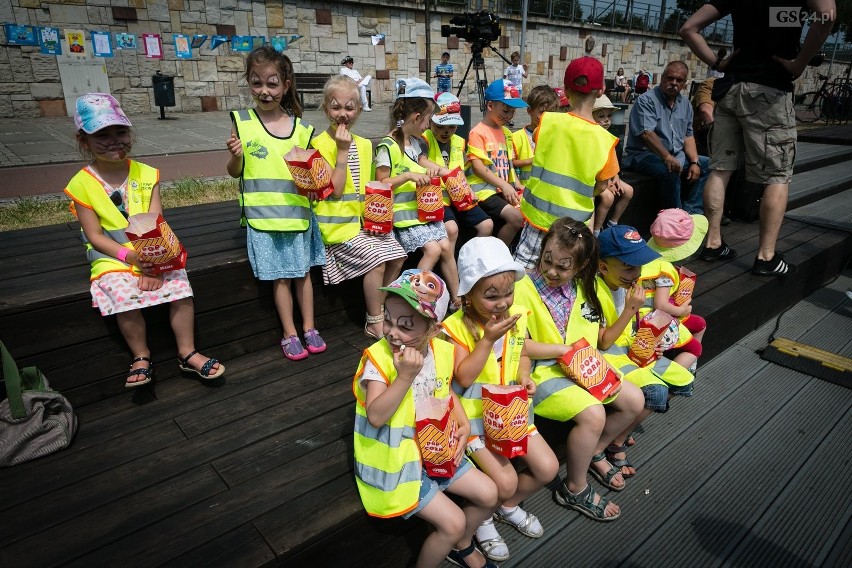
column 367, row 109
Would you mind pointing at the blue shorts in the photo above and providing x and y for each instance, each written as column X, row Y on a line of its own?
column 470, row 218
column 657, row 396
column 429, row 486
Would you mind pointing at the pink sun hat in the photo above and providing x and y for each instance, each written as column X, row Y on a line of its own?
column 676, row 234
column 95, row 111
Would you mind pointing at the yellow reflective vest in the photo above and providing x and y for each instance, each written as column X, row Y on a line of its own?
column 456, row 157
column 523, row 151
column 387, row 459
column 557, row 397
column 340, row 219
column 504, row 372
column 405, row 195
column 85, row 190
column 652, row 271
column 268, row 197
column 663, row 371
column 569, row 154
column 480, row 187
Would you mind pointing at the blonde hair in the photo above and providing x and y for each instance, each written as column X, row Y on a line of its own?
column 337, row 84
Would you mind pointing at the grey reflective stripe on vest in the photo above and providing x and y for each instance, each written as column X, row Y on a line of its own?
column 386, row 435
column 523, row 175
column 344, row 197
column 552, row 209
column 473, row 392
column 331, row 219
column 649, row 302
column 404, row 196
column 117, row 235
column 628, row 367
column 405, row 215
column 385, row 481
column 290, row 212
column 261, row 185
column 616, row 350
column 243, row 115
column 549, row 388
column 477, row 187
column 661, row 365
column 562, row 181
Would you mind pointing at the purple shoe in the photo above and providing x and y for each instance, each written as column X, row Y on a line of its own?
column 292, row 348
column 314, row 342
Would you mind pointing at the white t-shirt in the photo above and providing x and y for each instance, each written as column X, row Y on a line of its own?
column 515, row 75
column 424, row 383
column 351, row 73
column 413, row 150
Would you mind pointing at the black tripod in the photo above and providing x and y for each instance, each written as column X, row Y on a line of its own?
column 478, row 64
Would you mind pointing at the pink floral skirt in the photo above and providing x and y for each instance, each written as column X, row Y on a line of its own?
column 117, row 292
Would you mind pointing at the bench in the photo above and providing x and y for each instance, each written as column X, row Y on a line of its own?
column 313, row 83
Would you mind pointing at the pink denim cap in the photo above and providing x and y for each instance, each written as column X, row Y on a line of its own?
column 96, row 111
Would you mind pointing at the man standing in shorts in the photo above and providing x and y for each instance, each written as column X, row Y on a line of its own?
column 755, row 116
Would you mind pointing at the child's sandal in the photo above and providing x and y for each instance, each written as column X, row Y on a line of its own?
column 205, row 371
column 457, row 557
column 147, row 372
column 373, row 320
column 610, row 451
column 584, row 503
column 313, row 342
column 606, row 479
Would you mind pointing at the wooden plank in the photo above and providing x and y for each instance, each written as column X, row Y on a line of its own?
column 243, row 546
column 123, row 518
column 89, row 454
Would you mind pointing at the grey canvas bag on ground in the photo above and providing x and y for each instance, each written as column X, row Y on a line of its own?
column 35, row 420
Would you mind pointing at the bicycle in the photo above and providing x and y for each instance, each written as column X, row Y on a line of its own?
column 830, row 102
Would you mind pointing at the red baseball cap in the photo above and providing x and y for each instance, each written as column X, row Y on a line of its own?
column 587, row 67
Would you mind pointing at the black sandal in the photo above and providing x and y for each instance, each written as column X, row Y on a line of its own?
column 457, row 557
column 611, row 450
column 204, row 372
column 148, row 372
column 606, row 479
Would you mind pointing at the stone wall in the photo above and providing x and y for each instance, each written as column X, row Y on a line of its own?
column 30, row 84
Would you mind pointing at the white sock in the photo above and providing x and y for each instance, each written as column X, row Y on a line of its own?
column 611, row 223
column 596, row 232
column 487, row 530
column 514, row 514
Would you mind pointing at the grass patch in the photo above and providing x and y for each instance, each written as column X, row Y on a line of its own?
column 27, row 212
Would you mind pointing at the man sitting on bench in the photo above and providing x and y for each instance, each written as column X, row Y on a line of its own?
column 363, row 82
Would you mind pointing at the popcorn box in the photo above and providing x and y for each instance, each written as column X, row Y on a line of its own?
column 649, row 333
column 435, row 429
column 155, row 242
column 430, row 204
column 587, row 367
column 461, row 195
column 685, row 288
column 311, row 173
column 378, row 207
column 505, row 412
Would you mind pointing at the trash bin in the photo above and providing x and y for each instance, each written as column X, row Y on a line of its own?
column 164, row 92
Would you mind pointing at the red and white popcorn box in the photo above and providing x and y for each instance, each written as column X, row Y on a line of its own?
column 587, row 367
column 311, row 173
column 505, row 414
column 378, row 207
column 436, row 429
column 155, row 242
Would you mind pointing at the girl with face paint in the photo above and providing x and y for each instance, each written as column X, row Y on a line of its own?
column 104, row 194
column 283, row 236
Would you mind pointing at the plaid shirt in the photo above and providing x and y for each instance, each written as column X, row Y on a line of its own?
column 559, row 301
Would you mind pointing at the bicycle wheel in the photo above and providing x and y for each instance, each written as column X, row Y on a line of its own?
column 808, row 107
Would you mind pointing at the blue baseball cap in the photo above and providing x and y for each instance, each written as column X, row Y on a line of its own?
column 503, row 92
column 626, row 244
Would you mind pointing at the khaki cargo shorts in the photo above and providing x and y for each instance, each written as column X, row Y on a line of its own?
column 755, row 124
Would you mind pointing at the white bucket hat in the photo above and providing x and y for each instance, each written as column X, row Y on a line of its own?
column 481, row 257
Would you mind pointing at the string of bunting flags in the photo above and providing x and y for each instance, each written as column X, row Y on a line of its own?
column 49, row 40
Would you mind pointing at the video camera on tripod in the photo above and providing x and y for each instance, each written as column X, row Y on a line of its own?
column 479, row 27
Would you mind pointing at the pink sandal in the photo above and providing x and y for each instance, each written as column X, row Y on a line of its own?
column 314, row 342
column 292, row 348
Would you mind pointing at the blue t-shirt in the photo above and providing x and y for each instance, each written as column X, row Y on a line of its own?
column 671, row 125
column 444, row 72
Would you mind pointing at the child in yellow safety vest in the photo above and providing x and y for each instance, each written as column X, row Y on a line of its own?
column 489, row 334
column 613, row 199
column 283, row 236
column 447, row 149
column 573, row 158
column 104, row 194
column 560, row 293
column 406, row 367
column 402, row 161
column 350, row 250
column 540, row 100
column 490, row 156
column 623, row 252
column 676, row 235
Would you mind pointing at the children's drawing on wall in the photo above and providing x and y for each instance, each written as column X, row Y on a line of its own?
column 125, row 41
column 48, row 40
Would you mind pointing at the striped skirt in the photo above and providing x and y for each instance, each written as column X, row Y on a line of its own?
column 358, row 256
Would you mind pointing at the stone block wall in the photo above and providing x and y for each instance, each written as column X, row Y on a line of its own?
column 30, row 84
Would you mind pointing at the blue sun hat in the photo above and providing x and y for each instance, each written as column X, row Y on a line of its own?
column 412, row 87
column 424, row 291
